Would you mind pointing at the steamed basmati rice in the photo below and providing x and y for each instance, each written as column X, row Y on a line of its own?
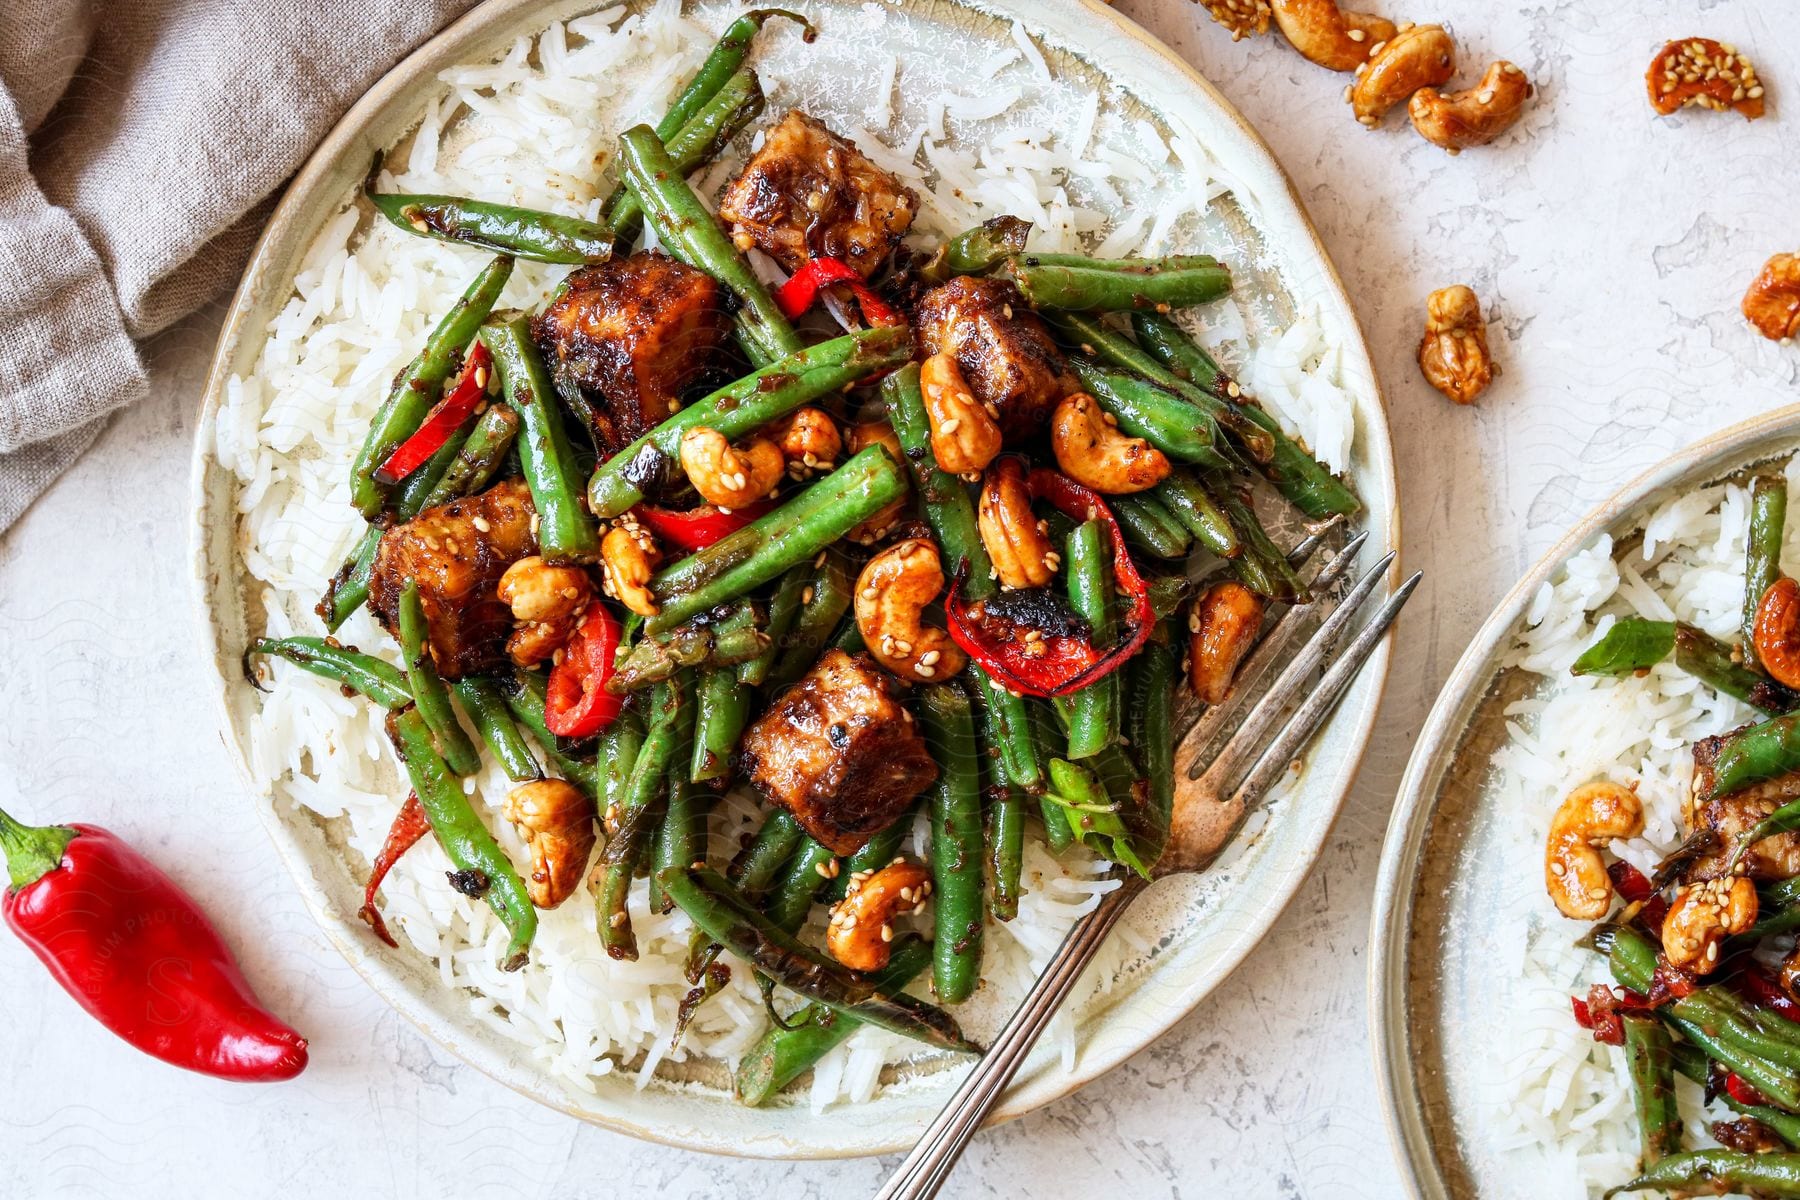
column 533, row 128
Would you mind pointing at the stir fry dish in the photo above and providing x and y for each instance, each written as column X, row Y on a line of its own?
column 1701, row 950
column 928, row 527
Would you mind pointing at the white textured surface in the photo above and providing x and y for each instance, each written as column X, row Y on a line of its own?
column 1612, row 248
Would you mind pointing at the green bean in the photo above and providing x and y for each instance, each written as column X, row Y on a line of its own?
column 754, row 871
column 812, row 521
column 881, row 849
column 1074, row 281
column 429, row 694
column 976, row 251
column 418, row 386
column 849, row 638
column 1692, row 1062
column 720, row 638
column 724, row 710
column 784, row 610
column 717, row 908
column 1263, row 566
column 344, row 665
column 1155, row 681
column 565, row 531
column 1150, row 527
column 1762, row 559
column 956, row 837
column 822, row 605
column 1635, row 644
column 944, row 500
column 790, row 900
column 690, row 232
column 526, row 703
column 722, row 65
column 1648, row 1051
column 1094, row 814
column 1766, row 751
column 671, row 723
column 784, row 1052
column 1094, row 716
column 1195, row 508
column 1005, row 826
column 681, row 842
column 476, row 463
column 1779, row 911
column 1147, row 410
column 502, row 228
column 1296, row 474
column 486, row 706
column 1719, row 1171
column 482, row 868
column 693, row 145
column 745, row 406
column 1058, row 832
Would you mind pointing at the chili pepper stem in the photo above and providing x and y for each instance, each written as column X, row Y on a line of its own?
column 32, row 852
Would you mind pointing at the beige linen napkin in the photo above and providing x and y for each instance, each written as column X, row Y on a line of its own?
column 141, row 142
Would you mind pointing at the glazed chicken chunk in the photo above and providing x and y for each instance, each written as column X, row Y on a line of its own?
column 458, row 552
column 631, row 334
column 809, row 192
column 839, row 752
column 1002, row 348
column 1774, row 857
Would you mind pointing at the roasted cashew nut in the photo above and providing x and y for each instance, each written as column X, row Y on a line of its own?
column 1454, row 354
column 1223, row 625
column 809, row 441
column 1703, row 916
column 1773, row 302
column 545, row 601
column 861, row 932
column 628, row 557
column 1325, row 34
column 1457, row 120
column 556, row 820
column 1017, row 542
column 729, row 476
column 891, row 594
column 1092, row 451
column 861, row 437
column 965, row 434
column 1776, row 632
column 1416, row 57
column 1703, row 72
column 1574, row 872
column 1242, row 17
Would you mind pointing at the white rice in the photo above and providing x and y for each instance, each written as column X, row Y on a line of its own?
column 534, row 128
column 1559, row 1097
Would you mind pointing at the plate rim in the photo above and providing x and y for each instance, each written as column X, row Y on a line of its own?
column 1375, row 444
column 1416, row 800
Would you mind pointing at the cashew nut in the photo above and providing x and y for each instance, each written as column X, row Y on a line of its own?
column 1454, row 354
column 965, row 434
column 809, row 441
column 891, row 593
column 1703, row 916
column 861, row 929
column 1776, row 632
column 1093, row 452
column 1017, row 542
column 1773, row 302
column 531, row 642
column 1574, row 872
column 1242, row 17
column 545, row 601
column 628, row 557
column 728, row 476
column 1456, row 120
column 1706, row 73
column 1325, row 34
column 557, row 821
column 1421, row 56
column 1222, row 627
column 862, row 436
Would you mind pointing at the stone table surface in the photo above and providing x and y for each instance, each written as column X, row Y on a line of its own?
column 1611, row 249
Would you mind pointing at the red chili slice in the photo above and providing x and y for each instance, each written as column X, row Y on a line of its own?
column 409, row 826
column 442, row 420
column 1054, row 661
column 1742, row 1092
column 1583, row 1017
column 698, row 528
column 1630, row 881
column 576, row 702
column 1759, row 988
column 801, row 292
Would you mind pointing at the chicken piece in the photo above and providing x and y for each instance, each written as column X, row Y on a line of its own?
column 839, row 752
column 808, row 193
column 458, row 552
column 1774, row 857
column 631, row 334
column 1002, row 348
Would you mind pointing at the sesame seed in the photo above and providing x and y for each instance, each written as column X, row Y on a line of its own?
column 923, row 671
column 806, row 596
column 1357, row 35
column 824, row 872
column 887, row 934
column 950, row 426
column 618, row 920
column 1596, row 893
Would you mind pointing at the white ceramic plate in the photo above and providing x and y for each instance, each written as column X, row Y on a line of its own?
column 1434, row 987
column 1199, row 928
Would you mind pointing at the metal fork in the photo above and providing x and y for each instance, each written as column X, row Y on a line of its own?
column 1208, row 811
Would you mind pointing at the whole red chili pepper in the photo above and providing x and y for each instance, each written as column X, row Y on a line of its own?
column 135, row 951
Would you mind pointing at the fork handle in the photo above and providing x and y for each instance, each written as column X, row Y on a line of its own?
column 943, row 1141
